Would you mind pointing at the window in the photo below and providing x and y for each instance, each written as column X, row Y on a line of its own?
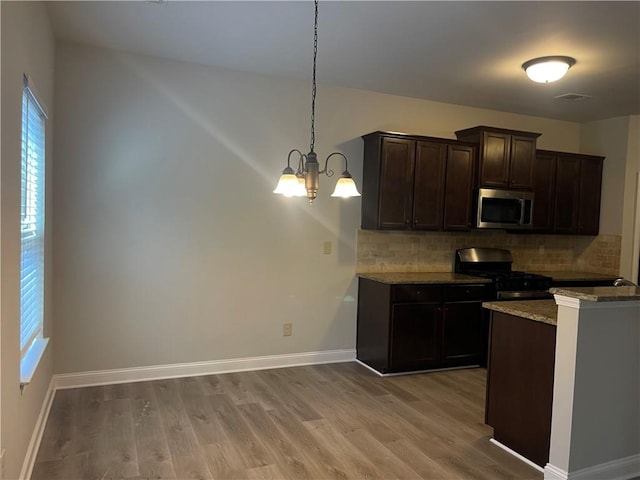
column 32, row 222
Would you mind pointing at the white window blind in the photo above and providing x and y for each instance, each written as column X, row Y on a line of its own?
column 32, row 220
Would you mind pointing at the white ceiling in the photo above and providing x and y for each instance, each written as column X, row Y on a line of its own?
column 467, row 53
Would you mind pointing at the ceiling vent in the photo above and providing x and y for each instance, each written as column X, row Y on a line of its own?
column 574, row 97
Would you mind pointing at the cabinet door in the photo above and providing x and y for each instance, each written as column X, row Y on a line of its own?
column 396, row 183
column 544, row 180
column 415, row 336
column 523, row 152
column 494, row 159
column 372, row 339
column 567, row 195
column 458, row 187
column 428, row 187
column 462, row 334
column 589, row 203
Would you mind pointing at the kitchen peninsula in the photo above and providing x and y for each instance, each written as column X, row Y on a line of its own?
column 522, row 343
column 552, row 396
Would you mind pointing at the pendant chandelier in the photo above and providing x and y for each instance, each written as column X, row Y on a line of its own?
column 305, row 180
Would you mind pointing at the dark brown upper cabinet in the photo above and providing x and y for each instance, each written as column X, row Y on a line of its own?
column 505, row 156
column 428, row 185
column 459, row 187
column 590, row 195
column 544, row 191
column 567, row 189
column 395, row 183
column 418, row 183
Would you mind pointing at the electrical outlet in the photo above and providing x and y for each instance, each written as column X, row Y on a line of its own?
column 287, row 329
column 328, row 246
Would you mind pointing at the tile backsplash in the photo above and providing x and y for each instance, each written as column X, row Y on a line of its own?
column 391, row 251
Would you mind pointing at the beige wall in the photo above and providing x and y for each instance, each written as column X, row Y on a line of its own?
column 630, row 255
column 170, row 246
column 609, row 139
column 631, row 215
column 27, row 47
column 617, row 140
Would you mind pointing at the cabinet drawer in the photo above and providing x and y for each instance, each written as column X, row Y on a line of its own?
column 416, row 293
column 464, row 293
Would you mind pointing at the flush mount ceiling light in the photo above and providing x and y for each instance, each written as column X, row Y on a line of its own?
column 548, row 69
column 305, row 181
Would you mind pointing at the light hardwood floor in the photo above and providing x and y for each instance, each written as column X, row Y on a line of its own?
column 337, row 421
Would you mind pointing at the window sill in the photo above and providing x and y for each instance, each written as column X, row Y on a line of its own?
column 30, row 361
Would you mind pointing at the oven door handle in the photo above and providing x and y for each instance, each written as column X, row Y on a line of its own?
column 522, row 210
column 523, row 295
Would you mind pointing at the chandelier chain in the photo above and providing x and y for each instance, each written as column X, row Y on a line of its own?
column 313, row 83
column 305, row 181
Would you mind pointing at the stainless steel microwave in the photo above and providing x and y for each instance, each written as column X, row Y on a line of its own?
column 508, row 209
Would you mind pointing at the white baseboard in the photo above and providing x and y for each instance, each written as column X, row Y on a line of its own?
column 619, row 469
column 414, row 372
column 38, row 431
column 516, row 454
column 370, row 368
column 551, row 472
column 158, row 372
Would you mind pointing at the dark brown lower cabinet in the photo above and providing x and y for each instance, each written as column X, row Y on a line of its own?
column 414, row 336
column 461, row 336
column 404, row 328
column 520, row 384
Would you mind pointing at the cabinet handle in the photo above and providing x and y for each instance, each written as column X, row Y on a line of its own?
column 415, row 222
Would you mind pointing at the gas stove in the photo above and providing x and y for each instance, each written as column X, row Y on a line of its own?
column 495, row 263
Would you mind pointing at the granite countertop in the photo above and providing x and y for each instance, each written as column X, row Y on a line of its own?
column 451, row 277
column 422, row 277
column 599, row 294
column 545, row 311
column 574, row 276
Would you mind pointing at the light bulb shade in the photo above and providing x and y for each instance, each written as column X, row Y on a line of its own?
column 345, row 187
column 301, row 191
column 548, row 69
column 287, row 185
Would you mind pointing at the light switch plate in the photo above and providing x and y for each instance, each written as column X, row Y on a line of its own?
column 287, row 329
column 328, row 246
